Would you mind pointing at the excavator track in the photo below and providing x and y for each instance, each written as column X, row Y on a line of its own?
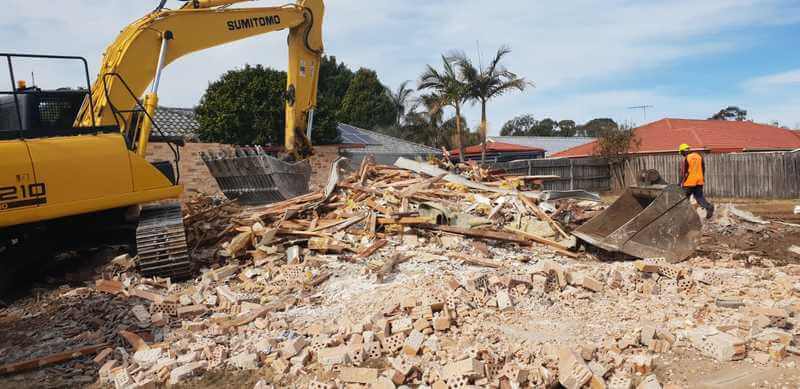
column 161, row 243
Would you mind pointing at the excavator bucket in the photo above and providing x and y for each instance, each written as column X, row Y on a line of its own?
column 253, row 177
column 646, row 222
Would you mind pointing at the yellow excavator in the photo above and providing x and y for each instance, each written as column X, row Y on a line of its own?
column 74, row 160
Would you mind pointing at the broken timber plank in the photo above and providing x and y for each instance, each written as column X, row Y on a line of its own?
column 30, row 364
column 387, row 178
column 405, row 220
column 134, row 340
column 478, row 261
column 477, row 233
column 398, row 184
column 282, row 231
column 373, row 248
column 282, row 206
column 342, row 224
column 411, row 190
column 561, row 249
column 366, row 162
column 327, row 245
column 372, row 204
column 361, row 189
column 541, row 215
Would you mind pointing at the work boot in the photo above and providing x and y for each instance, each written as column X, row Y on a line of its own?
column 710, row 212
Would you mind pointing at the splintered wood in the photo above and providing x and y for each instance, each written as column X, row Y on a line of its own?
column 378, row 204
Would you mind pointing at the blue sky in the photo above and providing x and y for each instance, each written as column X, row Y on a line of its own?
column 587, row 58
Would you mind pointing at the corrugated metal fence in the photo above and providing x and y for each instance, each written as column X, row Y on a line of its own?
column 770, row 175
column 744, row 175
column 587, row 173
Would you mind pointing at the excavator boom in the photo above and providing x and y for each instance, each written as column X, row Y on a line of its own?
column 136, row 58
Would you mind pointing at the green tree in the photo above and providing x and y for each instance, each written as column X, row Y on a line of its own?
column 527, row 125
column 567, row 128
column 425, row 123
column 615, row 145
column 245, row 106
column 365, row 104
column 730, row 113
column 545, row 127
column 488, row 83
column 452, row 91
column 422, row 126
column 596, row 127
column 334, row 80
column 400, row 100
column 518, row 126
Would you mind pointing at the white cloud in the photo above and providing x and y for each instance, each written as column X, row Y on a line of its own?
column 566, row 47
column 772, row 81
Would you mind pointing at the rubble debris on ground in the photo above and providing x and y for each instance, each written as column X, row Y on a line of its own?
column 398, row 278
column 750, row 238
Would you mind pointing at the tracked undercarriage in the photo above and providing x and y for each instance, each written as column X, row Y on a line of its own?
column 157, row 236
column 161, row 242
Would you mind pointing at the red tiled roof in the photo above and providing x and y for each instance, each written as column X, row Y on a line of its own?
column 497, row 147
column 718, row 136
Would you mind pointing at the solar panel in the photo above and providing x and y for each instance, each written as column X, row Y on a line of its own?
column 352, row 135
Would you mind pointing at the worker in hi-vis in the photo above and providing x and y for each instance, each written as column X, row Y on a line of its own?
column 693, row 170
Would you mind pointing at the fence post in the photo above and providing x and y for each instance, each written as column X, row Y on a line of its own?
column 530, row 169
column 571, row 174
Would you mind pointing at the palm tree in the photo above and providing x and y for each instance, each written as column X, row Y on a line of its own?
column 425, row 125
column 450, row 89
column 399, row 99
column 488, row 83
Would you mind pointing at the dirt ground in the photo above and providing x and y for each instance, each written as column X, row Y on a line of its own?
column 782, row 210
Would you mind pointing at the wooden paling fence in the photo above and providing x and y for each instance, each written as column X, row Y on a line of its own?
column 769, row 175
column 739, row 175
column 587, row 173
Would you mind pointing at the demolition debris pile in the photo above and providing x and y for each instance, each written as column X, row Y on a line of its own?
column 393, row 277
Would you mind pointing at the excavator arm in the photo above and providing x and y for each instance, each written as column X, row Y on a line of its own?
column 136, row 58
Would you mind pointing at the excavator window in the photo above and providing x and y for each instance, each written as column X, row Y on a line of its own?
column 30, row 112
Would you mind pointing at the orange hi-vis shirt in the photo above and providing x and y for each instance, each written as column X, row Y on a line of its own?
column 695, row 165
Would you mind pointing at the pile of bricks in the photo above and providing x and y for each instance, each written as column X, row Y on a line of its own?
column 378, row 283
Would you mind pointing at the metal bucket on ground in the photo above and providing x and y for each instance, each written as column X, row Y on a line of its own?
column 654, row 221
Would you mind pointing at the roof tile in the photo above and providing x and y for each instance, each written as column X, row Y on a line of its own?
column 666, row 135
column 497, row 147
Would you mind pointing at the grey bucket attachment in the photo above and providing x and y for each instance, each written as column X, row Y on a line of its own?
column 254, row 177
column 654, row 221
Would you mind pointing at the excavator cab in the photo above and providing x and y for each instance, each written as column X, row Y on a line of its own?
column 61, row 177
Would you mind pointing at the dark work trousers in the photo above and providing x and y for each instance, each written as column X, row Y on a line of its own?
column 697, row 192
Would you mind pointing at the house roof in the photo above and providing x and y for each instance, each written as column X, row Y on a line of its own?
column 550, row 144
column 176, row 122
column 718, row 136
column 372, row 142
column 498, row 147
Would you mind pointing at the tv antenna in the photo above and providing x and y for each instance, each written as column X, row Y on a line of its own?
column 644, row 110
